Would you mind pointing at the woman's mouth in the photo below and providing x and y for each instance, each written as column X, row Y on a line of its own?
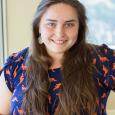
column 59, row 42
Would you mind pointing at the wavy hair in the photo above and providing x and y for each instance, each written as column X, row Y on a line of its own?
column 78, row 93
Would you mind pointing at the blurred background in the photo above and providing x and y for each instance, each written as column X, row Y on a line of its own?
column 15, row 28
column 101, row 16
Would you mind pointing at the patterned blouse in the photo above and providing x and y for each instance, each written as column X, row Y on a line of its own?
column 15, row 76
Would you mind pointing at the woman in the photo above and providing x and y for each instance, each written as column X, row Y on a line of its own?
column 60, row 73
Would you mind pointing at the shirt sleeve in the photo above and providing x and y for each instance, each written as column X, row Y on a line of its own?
column 13, row 67
column 106, row 57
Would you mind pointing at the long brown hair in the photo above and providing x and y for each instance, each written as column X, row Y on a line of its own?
column 78, row 93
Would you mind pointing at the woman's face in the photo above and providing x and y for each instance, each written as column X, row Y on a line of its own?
column 59, row 28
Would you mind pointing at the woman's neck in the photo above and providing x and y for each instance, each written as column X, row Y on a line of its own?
column 56, row 62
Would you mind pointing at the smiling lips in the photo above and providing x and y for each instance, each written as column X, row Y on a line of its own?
column 59, row 42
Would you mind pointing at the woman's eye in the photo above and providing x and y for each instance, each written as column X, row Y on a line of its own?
column 51, row 25
column 69, row 25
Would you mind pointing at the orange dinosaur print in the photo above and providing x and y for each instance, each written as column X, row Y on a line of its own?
column 7, row 71
column 21, row 78
column 105, row 70
column 15, row 71
column 57, row 86
column 113, row 78
column 52, row 80
column 103, row 59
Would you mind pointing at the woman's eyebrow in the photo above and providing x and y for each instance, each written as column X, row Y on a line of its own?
column 51, row 20
column 72, row 20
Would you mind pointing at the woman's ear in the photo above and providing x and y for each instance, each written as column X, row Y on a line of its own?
column 39, row 31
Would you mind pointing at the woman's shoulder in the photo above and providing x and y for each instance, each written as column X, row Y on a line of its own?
column 104, row 61
column 102, row 50
column 14, row 67
column 17, row 57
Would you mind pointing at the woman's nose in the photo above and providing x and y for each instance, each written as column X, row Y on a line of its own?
column 59, row 31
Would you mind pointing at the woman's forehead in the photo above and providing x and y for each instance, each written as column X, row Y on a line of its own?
column 60, row 11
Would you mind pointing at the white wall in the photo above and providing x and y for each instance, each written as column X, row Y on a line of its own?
column 19, row 18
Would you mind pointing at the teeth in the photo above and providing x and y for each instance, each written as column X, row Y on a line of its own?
column 59, row 41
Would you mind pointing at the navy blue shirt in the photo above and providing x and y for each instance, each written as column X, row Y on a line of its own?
column 15, row 75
